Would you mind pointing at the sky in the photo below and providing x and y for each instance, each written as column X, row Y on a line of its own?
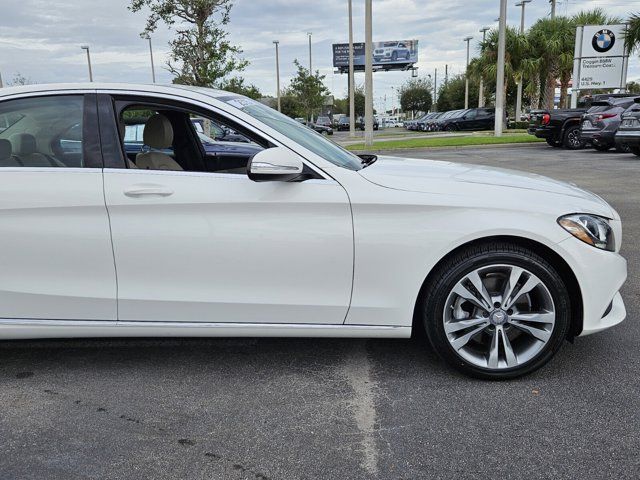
column 41, row 38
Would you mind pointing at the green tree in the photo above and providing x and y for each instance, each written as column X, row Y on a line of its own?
column 633, row 87
column 451, row 94
column 341, row 105
column 237, row 85
column 19, row 79
column 632, row 38
column 415, row 95
column 308, row 89
column 201, row 53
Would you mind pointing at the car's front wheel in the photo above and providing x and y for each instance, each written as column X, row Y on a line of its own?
column 496, row 311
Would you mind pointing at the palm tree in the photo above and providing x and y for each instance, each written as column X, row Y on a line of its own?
column 632, row 37
column 515, row 52
column 552, row 44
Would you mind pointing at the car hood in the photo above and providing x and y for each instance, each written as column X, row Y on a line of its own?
column 441, row 177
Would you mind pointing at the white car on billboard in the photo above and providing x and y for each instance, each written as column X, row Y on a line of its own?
column 391, row 51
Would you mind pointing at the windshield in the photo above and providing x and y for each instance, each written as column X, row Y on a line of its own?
column 297, row 132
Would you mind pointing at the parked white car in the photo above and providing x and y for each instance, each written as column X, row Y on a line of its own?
column 301, row 239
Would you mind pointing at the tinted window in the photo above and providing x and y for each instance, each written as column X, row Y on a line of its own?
column 42, row 132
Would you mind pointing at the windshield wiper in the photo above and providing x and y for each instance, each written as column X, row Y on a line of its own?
column 367, row 159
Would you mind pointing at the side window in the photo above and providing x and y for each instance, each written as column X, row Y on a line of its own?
column 471, row 114
column 169, row 138
column 42, row 132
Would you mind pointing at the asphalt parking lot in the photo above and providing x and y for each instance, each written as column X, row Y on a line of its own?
column 343, row 409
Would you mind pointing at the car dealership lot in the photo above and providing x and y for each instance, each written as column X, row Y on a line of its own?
column 305, row 408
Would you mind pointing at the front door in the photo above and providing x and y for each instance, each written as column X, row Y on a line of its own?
column 205, row 246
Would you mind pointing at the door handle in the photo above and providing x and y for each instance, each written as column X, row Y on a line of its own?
column 148, row 189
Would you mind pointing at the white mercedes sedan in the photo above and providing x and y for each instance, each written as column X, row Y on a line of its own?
column 117, row 219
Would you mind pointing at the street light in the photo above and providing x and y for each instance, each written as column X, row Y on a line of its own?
column 352, row 103
column 466, row 74
column 153, row 69
column 86, row 47
column 276, row 43
column 522, row 4
column 502, row 41
column 484, row 31
column 368, row 74
column 310, row 65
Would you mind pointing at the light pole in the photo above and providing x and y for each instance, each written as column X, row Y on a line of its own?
column 1, row 85
column 435, row 90
column 86, row 47
column 502, row 40
column 466, row 75
column 153, row 68
column 352, row 101
column 522, row 4
column 310, row 65
column 368, row 74
column 553, row 8
column 276, row 43
column 484, row 31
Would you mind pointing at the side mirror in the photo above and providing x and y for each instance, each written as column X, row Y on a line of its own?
column 278, row 164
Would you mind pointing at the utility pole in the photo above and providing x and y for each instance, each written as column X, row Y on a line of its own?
column 352, row 87
column 446, row 74
column 522, row 4
column 484, row 31
column 368, row 74
column 1, row 85
column 86, row 47
column 153, row 68
column 553, row 8
column 502, row 34
column 466, row 75
column 276, row 43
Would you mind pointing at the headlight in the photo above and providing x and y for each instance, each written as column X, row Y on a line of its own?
column 590, row 229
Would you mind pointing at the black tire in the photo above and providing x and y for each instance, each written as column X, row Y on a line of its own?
column 456, row 267
column 450, row 128
column 571, row 139
column 635, row 150
column 623, row 148
column 602, row 148
column 552, row 143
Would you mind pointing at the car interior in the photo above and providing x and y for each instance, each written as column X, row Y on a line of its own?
column 42, row 133
column 171, row 141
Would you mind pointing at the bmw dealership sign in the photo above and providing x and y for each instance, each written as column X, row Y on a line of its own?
column 600, row 59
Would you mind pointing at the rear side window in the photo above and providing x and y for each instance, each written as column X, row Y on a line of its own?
column 42, row 132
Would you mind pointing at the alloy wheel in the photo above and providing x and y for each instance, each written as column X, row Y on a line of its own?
column 499, row 316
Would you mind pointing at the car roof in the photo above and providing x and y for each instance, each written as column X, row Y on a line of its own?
column 179, row 90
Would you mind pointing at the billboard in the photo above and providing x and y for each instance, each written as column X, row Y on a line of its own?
column 600, row 59
column 390, row 55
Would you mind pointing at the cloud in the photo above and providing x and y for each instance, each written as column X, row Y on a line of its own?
column 41, row 38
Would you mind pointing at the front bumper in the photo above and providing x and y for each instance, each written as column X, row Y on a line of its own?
column 600, row 275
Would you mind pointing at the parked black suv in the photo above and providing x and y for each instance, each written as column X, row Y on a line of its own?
column 472, row 119
column 343, row 124
column 628, row 134
column 360, row 123
column 600, row 123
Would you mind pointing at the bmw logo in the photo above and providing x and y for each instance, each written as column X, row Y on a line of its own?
column 603, row 40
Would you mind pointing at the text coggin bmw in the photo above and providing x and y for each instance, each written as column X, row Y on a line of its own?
column 298, row 238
